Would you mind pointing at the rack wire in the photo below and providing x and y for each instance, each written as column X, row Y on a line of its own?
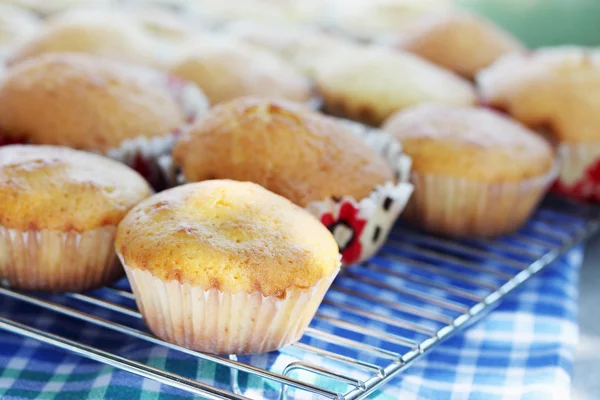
column 377, row 318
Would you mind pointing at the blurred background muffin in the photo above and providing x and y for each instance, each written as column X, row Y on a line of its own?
column 372, row 86
column 462, row 43
column 108, row 34
column 226, row 68
column 475, row 172
column 125, row 111
column 59, row 216
column 226, row 267
column 556, row 90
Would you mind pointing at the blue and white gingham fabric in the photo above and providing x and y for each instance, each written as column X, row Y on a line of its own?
column 524, row 350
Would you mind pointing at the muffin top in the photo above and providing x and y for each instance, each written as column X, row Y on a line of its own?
column 226, row 68
column 376, row 82
column 554, row 88
column 16, row 26
column 46, row 187
column 462, row 43
column 85, row 102
column 102, row 33
column 227, row 235
column 470, row 142
column 288, row 149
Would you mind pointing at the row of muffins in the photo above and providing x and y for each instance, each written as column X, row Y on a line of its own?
column 475, row 171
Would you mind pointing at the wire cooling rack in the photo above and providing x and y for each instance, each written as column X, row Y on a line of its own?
column 377, row 318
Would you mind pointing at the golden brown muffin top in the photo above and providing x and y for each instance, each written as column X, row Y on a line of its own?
column 554, row 88
column 230, row 236
column 288, row 149
column 226, row 68
column 85, row 102
column 462, row 43
column 46, row 187
column 102, row 33
column 470, row 142
column 379, row 81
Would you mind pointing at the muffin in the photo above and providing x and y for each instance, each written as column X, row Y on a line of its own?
column 16, row 26
column 106, row 34
column 313, row 160
column 370, row 85
column 127, row 112
column 557, row 91
column 475, row 171
column 305, row 47
column 462, row 43
column 226, row 69
column 226, row 267
column 59, row 216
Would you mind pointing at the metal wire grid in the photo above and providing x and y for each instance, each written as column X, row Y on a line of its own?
column 375, row 321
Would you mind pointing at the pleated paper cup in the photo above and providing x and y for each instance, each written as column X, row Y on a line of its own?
column 463, row 207
column 579, row 176
column 58, row 261
column 220, row 322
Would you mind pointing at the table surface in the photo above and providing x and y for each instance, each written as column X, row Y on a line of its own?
column 586, row 385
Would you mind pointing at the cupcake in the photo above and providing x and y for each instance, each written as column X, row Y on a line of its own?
column 226, row 69
column 461, row 43
column 59, row 216
column 370, row 85
column 127, row 112
column 101, row 33
column 475, row 171
column 226, row 267
column 557, row 91
column 315, row 161
column 16, row 26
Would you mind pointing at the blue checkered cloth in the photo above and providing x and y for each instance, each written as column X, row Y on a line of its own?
column 524, row 349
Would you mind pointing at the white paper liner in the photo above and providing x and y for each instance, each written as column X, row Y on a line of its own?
column 147, row 150
column 224, row 323
column 463, row 207
column 359, row 227
column 58, row 261
column 579, row 175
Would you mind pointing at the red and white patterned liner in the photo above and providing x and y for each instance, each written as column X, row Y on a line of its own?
column 359, row 227
column 579, row 176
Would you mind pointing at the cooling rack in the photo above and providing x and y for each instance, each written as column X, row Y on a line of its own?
column 377, row 318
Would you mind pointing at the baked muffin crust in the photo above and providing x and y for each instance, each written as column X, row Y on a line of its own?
column 56, row 188
column 469, row 142
column 371, row 85
column 231, row 236
column 286, row 148
column 555, row 88
column 85, row 102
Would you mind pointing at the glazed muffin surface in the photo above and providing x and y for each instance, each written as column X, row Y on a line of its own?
column 229, row 236
column 85, row 102
column 470, row 142
column 55, row 188
column 286, row 148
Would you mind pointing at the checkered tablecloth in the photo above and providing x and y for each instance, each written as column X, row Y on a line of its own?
column 524, row 349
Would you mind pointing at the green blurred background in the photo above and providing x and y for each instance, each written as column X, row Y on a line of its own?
column 543, row 22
